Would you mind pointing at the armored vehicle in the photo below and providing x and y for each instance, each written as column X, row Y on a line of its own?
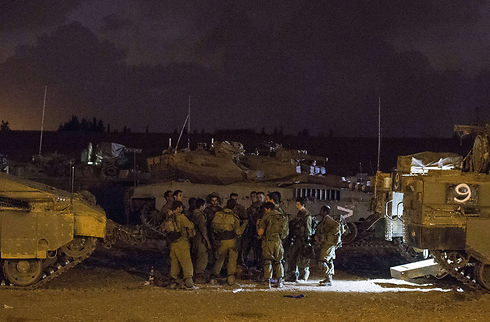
column 353, row 205
column 43, row 230
column 444, row 208
column 225, row 168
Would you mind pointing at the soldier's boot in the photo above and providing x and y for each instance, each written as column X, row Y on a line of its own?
column 200, row 278
column 231, row 280
column 213, row 280
column 189, row 283
column 296, row 277
column 180, row 283
column 307, row 274
column 279, row 282
column 267, row 283
column 327, row 281
column 173, row 284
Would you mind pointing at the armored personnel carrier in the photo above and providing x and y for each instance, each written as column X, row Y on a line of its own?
column 45, row 231
column 444, row 207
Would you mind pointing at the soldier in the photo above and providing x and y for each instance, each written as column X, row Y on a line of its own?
column 192, row 205
column 200, row 242
column 213, row 206
column 328, row 234
column 273, row 227
column 169, row 197
column 301, row 232
column 241, row 212
column 275, row 198
column 214, row 201
column 227, row 229
column 178, row 196
column 179, row 230
column 250, row 238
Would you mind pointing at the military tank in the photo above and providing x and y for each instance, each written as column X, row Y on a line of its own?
column 45, row 231
column 444, row 209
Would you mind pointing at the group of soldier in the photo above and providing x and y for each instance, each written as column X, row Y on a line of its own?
column 205, row 235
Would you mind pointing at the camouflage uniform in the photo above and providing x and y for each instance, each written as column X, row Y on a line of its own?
column 179, row 230
column 209, row 212
column 226, row 228
column 164, row 211
column 199, row 245
column 328, row 235
column 241, row 212
column 275, row 226
column 299, row 256
column 250, row 238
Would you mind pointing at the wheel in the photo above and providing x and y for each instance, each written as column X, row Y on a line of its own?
column 80, row 246
column 482, row 275
column 111, row 171
column 151, row 218
column 350, row 235
column 480, row 154
column 23, row 272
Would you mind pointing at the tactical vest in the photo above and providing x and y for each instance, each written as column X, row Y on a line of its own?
column 277, row 228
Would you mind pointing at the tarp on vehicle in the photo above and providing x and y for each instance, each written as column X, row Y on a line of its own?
column 422, row 162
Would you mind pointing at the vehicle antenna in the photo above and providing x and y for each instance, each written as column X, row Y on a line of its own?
column 42, row 120
column 181, row 131
column 189, row 126
column 379, row 131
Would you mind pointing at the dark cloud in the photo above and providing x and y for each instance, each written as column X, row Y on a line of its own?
column 31, row 14
column 291, row 64
column 114, row 23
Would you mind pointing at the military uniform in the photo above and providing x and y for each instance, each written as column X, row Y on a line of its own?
column 179, row 230
column 301, row 231
column 227, row 229
column 209, row 212
column 164, row 211
column 328, row 234
column 275, row 227
column 250, row 238
column 199, row 250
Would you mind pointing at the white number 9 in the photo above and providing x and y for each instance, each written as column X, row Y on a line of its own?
column 463, row 191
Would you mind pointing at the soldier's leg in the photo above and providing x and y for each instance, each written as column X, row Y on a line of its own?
column 232, row 255
column 268, row 257
column 174, row 263
column 292, row 262
column 201, row 259
column 184, row 257
column 257, row 250
column 304, row 267
column 326, row 263
column 221, row 253
column 278, row 258
column 246, row 247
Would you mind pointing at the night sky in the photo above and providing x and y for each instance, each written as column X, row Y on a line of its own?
column 280, row 64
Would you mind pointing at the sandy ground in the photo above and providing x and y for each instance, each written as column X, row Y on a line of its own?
column 110, row 286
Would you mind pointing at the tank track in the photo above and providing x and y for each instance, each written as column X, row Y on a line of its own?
column 61, row 266
column 368, row 243
column 457, row 271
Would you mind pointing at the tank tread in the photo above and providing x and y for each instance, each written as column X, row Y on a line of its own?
column 457, row 271
column 61, row 266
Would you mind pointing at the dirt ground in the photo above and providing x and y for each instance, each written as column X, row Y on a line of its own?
column 110, row 286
